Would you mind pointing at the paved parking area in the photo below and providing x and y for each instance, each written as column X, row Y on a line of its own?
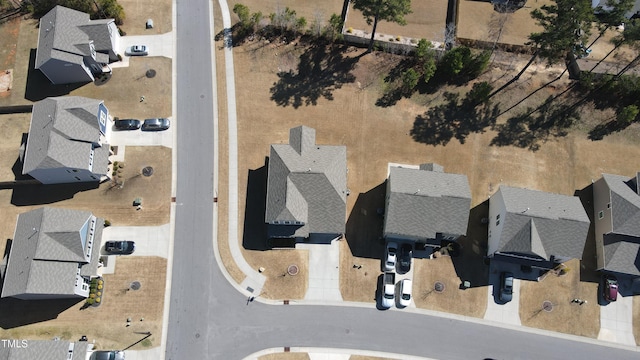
column 150, row 240
column 616, row 321
column 507, row 313
column 324, row 271
column 157, row 45
column 142, row 138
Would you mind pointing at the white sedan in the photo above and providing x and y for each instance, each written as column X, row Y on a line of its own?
column 137, row 50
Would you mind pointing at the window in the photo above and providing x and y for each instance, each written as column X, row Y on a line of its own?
column 497, row 222
column 498, row 217
column 608, row 205
column 600, row 214
column 77, row 178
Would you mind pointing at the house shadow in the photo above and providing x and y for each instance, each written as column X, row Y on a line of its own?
column 470, row 263
column 40, row 87
column 589, row 263
column 39, row 194
column 254, row 236
column 364, row 225
column 16, row 312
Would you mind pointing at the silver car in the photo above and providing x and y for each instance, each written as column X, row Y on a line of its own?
column 137, row 50
column 157, row 124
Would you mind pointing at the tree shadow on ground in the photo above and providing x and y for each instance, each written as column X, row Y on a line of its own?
column 15, row 312
column 322, row 69
column 364, row 226
column 588, row 263
column 469, row 265
column 608, row 128
column 39, row 87
column 529, row 131
column 254, row 236
column 454, row 118
column 38, row 194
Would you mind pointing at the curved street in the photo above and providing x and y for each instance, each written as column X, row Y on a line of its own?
column 210, row 319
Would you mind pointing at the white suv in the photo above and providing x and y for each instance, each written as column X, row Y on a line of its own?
column 405, row 292
column 390, row 256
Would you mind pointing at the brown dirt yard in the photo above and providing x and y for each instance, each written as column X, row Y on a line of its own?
column 138, row 11
column 107, row 322
column 560, row 290
column 342, row 111
column 285, row 356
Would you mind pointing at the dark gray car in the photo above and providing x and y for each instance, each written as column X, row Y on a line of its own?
column 157, row 124
column 127, row 124
column 108, row 355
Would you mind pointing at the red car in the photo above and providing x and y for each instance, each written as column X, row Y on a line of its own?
column 610, row 288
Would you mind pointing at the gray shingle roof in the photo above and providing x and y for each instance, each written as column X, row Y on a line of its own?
column 47, row 249
column 46, row 349
column 65, row 34
column 542, row 224
column 423, row 203
column 62, row 133
column 307, row 183
column 622, row 244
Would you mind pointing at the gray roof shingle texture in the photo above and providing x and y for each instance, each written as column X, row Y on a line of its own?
column 45, row 349
column 46, row 251
column 423, row 203
column 622, row 244
column 65, row 34
column 307, row 183
column 543, row 224
column 61, row 134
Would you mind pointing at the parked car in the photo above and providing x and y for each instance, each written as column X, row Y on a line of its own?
column 107, row 355
column 406, row 253
column 122, row 247
column 128, row 124
column 157, row 124
column 405, row 292
column 390, row 256
column 388, row 290
column 137, row 50
column 610, row 288
column 506, row 286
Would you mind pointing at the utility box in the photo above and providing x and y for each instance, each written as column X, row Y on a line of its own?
column 149, row 24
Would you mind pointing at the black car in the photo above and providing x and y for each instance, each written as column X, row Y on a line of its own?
column 157, row 124
column 122, row 247
column 404, row 260
column 128, row 124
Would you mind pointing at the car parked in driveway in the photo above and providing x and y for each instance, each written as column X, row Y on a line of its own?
column 128, row 124
column 405, row 292
column 610, row 288
column 107, row 355
column 506, row 286
column 390, row 256
column 137, row 50
column 121, row 247
column 387, row 293
column 406, row 253
column 156, row 124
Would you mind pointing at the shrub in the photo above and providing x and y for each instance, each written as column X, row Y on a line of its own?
column 107, row 223
column 99, row 287
column 98, row 300
column 398, row 38
column 90, row 301
column 350, row 30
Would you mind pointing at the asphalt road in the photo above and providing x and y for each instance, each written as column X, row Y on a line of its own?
column 210, row 319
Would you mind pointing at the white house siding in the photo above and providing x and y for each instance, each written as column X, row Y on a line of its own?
column 496, row 207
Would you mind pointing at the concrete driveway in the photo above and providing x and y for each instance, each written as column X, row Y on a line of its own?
column 506, row 313
column 616, row 321
column 142, row 138
column 150, row 240
column 157, row 45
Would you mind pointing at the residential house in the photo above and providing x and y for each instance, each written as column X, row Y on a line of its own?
column 426, row 206
column 44, row 349
column 67, row 141
column 72, row 48
column 616, row 202
column 631, row 14
column 306, row 189
column 536, row 229
column 54, row 254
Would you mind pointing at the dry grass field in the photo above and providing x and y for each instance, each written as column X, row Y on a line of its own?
column 106, row 324
column 285, row 356
column 566, row 317
column 138, row 11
